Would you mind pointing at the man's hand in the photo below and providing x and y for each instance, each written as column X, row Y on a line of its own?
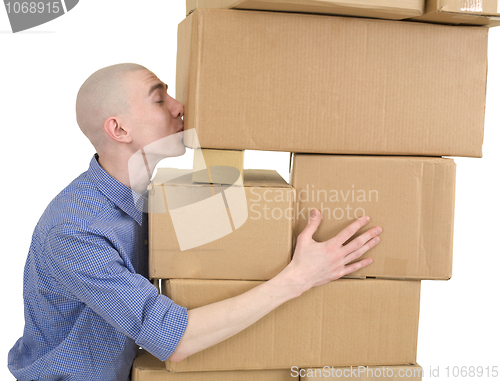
column 317, row 263
column 313, row 264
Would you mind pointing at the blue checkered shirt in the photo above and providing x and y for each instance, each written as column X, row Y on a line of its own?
column 87, row 302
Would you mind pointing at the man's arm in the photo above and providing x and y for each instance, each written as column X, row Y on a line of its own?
column 313, row 264
column 86, row 267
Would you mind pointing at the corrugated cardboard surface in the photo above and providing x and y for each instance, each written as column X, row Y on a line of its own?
column 386, row 9
column 326, row 84
column 146, row 367
column 257, row 250
column 210, row 165
column 465, row 12
column 386, row 373
column 345, row 322
column 411, row 198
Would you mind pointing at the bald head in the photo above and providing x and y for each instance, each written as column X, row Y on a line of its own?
column 104, row 94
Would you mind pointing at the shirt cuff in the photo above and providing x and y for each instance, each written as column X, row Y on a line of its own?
column 163, row 328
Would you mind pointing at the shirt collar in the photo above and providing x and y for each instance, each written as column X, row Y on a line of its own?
column 119, row 194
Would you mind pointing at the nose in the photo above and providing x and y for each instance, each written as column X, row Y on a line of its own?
column 176, row 108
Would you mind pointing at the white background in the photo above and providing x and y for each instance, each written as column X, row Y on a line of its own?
column 42, row 151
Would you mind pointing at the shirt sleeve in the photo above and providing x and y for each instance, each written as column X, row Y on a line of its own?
column 91, row 269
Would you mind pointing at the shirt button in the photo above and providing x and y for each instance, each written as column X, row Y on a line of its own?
column 145, row 242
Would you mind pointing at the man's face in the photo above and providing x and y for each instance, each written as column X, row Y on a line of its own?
column 154, row 117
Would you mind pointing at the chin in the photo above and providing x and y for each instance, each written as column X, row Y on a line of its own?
column 176, row 144
column 179, row 149
column 168, row 146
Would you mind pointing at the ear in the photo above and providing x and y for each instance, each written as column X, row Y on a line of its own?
column 116, row 130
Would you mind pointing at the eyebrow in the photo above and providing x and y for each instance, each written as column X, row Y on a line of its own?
column 157, row 86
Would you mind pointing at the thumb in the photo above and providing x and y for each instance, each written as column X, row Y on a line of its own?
column 312, row 225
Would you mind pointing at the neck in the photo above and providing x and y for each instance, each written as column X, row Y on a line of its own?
column 133, row 170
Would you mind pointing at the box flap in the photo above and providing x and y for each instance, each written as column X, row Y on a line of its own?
column 217, row 166
column 146, row 367
column 390, row 9
column 264, row 178
column 252, row 178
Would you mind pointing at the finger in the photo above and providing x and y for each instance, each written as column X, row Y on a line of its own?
column 356, row 266
column 363, row 249
column 312, row 225
column 358, row 242
column 349, row 231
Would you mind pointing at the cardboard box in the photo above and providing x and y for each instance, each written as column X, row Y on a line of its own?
column 219, row 231
column 325, row 84
column 345, row 322
column 146, row 367
column 385, row 9
column 462, row 12
column 217, row 166
column 382, row 373
column 411, row 198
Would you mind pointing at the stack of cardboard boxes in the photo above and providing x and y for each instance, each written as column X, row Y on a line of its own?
column 367, row 106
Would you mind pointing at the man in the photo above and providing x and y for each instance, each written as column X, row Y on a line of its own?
column 88, row 302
